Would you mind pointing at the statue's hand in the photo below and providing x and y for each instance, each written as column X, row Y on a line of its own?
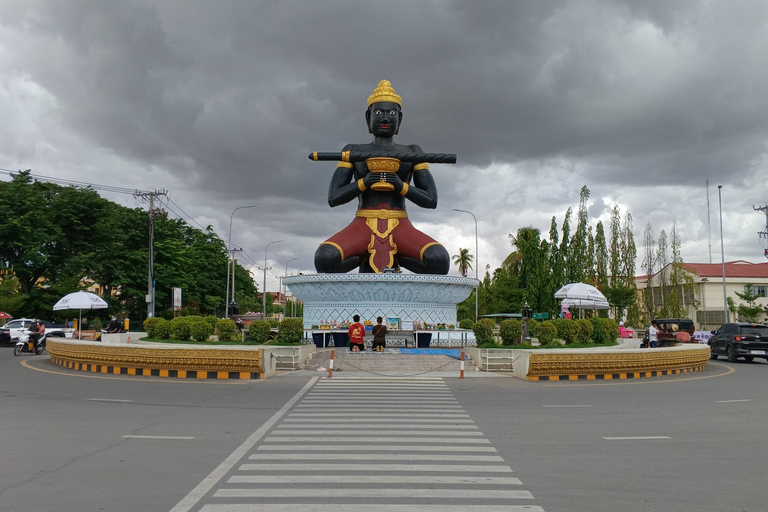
column 395, row 180
column 371, row 178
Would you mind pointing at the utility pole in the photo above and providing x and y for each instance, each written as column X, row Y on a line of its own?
column 232, row 304
column 764, row 233
column 153, row 214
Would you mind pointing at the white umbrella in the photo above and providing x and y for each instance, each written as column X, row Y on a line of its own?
column 581, row 291
column 80, row 300
column 585, row 304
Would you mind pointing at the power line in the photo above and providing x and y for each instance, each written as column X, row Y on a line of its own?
column 79, row 184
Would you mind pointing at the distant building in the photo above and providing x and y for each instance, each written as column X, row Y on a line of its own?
column 703, row 298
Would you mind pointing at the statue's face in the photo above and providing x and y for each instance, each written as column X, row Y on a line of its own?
column 384, row 119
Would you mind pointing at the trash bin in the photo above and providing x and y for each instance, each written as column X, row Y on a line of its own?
column 340, row 339
column 423, row 339
column 317, row 337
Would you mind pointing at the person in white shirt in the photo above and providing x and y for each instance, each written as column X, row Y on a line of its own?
column 653, row 335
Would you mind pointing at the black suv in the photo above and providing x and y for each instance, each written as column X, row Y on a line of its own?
column 737, row 340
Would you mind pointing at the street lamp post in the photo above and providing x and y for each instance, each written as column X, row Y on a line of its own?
column 477, row 260
column 264, row 291
column 229, row 247
column 722, row 250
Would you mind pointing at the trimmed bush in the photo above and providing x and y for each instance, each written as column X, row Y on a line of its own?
column 163, row 330
column 583, row 331
column 180, row 328
column 467, row 323
column 259, row 331
column 226, row 330
column 566, row 329
column 511, row 332
column 275, row 324
column 150, row 326
column 604, row 330
column 483, row 330
column 533, row 326
column 291, row 331
column 211, row 320
column 546, row 332
column 199, row 328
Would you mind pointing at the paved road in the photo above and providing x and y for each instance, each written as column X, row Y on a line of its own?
column 73, row 442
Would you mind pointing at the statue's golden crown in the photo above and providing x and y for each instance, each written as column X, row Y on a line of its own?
column 384, row 92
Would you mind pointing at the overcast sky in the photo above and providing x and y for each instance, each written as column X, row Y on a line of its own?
column 220, row 102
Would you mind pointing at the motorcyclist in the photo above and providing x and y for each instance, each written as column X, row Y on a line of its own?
column 114, row 326
column 37, row 330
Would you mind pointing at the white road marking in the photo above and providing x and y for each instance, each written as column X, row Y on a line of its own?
column 372, row 479
column 109, row 400
column 366, row 438
column 376, row 456
column 183, row 438
column 360, row 507
column 566, row 406
column 732, row 401
column 635, row 438
column 371, row 447
column 372, row 493
column 377, row 467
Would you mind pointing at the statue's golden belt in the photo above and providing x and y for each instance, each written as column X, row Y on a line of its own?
column 382, row 214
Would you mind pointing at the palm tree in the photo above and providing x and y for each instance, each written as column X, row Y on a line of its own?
column 463, row 260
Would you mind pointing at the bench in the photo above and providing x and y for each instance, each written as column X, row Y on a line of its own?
column 85, row 335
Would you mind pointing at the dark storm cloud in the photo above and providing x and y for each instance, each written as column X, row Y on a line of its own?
column 230, row 97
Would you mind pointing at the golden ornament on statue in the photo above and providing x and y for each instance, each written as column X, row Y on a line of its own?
column 383, row 164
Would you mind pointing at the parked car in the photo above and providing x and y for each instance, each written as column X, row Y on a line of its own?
column 11, row 331
column 735, row 340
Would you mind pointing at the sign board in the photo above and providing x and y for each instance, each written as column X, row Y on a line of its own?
column 540, row 316
column 177, row 299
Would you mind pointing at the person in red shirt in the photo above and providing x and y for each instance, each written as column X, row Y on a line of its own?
column 356, row 335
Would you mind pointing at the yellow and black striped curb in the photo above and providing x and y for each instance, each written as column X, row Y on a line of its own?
column 615, row 376
column 155, row 372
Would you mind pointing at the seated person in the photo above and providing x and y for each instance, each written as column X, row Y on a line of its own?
column 114, row 326
column 356, row 335
column 379, row 335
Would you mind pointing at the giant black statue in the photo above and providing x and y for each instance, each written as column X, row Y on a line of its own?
column 378, row 174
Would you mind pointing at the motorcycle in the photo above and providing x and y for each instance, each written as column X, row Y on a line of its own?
column 25, row 344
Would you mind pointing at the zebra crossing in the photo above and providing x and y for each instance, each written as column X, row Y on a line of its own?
column 362, row 444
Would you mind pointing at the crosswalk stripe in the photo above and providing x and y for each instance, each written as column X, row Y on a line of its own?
column 370, row 433
column 377, row 456
column 354, row 468
column 365, row 507
column 315, row 492
column 347, row 419
column 374, row 415
column 351, row 439
column 373, row 479
column 369, row 448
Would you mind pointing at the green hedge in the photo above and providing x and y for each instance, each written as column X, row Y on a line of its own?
column 181, row 328
column 483, row 330
column 259, row 331
column 291, row 331
column 162, row 330
column 583, row 331
column 199, row 328
column 467, row 323
column 546, row 333
column 226, row 330
column 511, row 332
column 150, row 326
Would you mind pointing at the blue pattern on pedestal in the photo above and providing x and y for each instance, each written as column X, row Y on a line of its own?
column 416, row 297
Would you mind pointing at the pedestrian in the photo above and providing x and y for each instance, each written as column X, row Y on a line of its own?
column 356, row 335
column 379, row 335
column 653, row 335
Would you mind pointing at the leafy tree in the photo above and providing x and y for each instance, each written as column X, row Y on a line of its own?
column 601, row 258
column 751, row 311
column 576, row 267
column 463, row 260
